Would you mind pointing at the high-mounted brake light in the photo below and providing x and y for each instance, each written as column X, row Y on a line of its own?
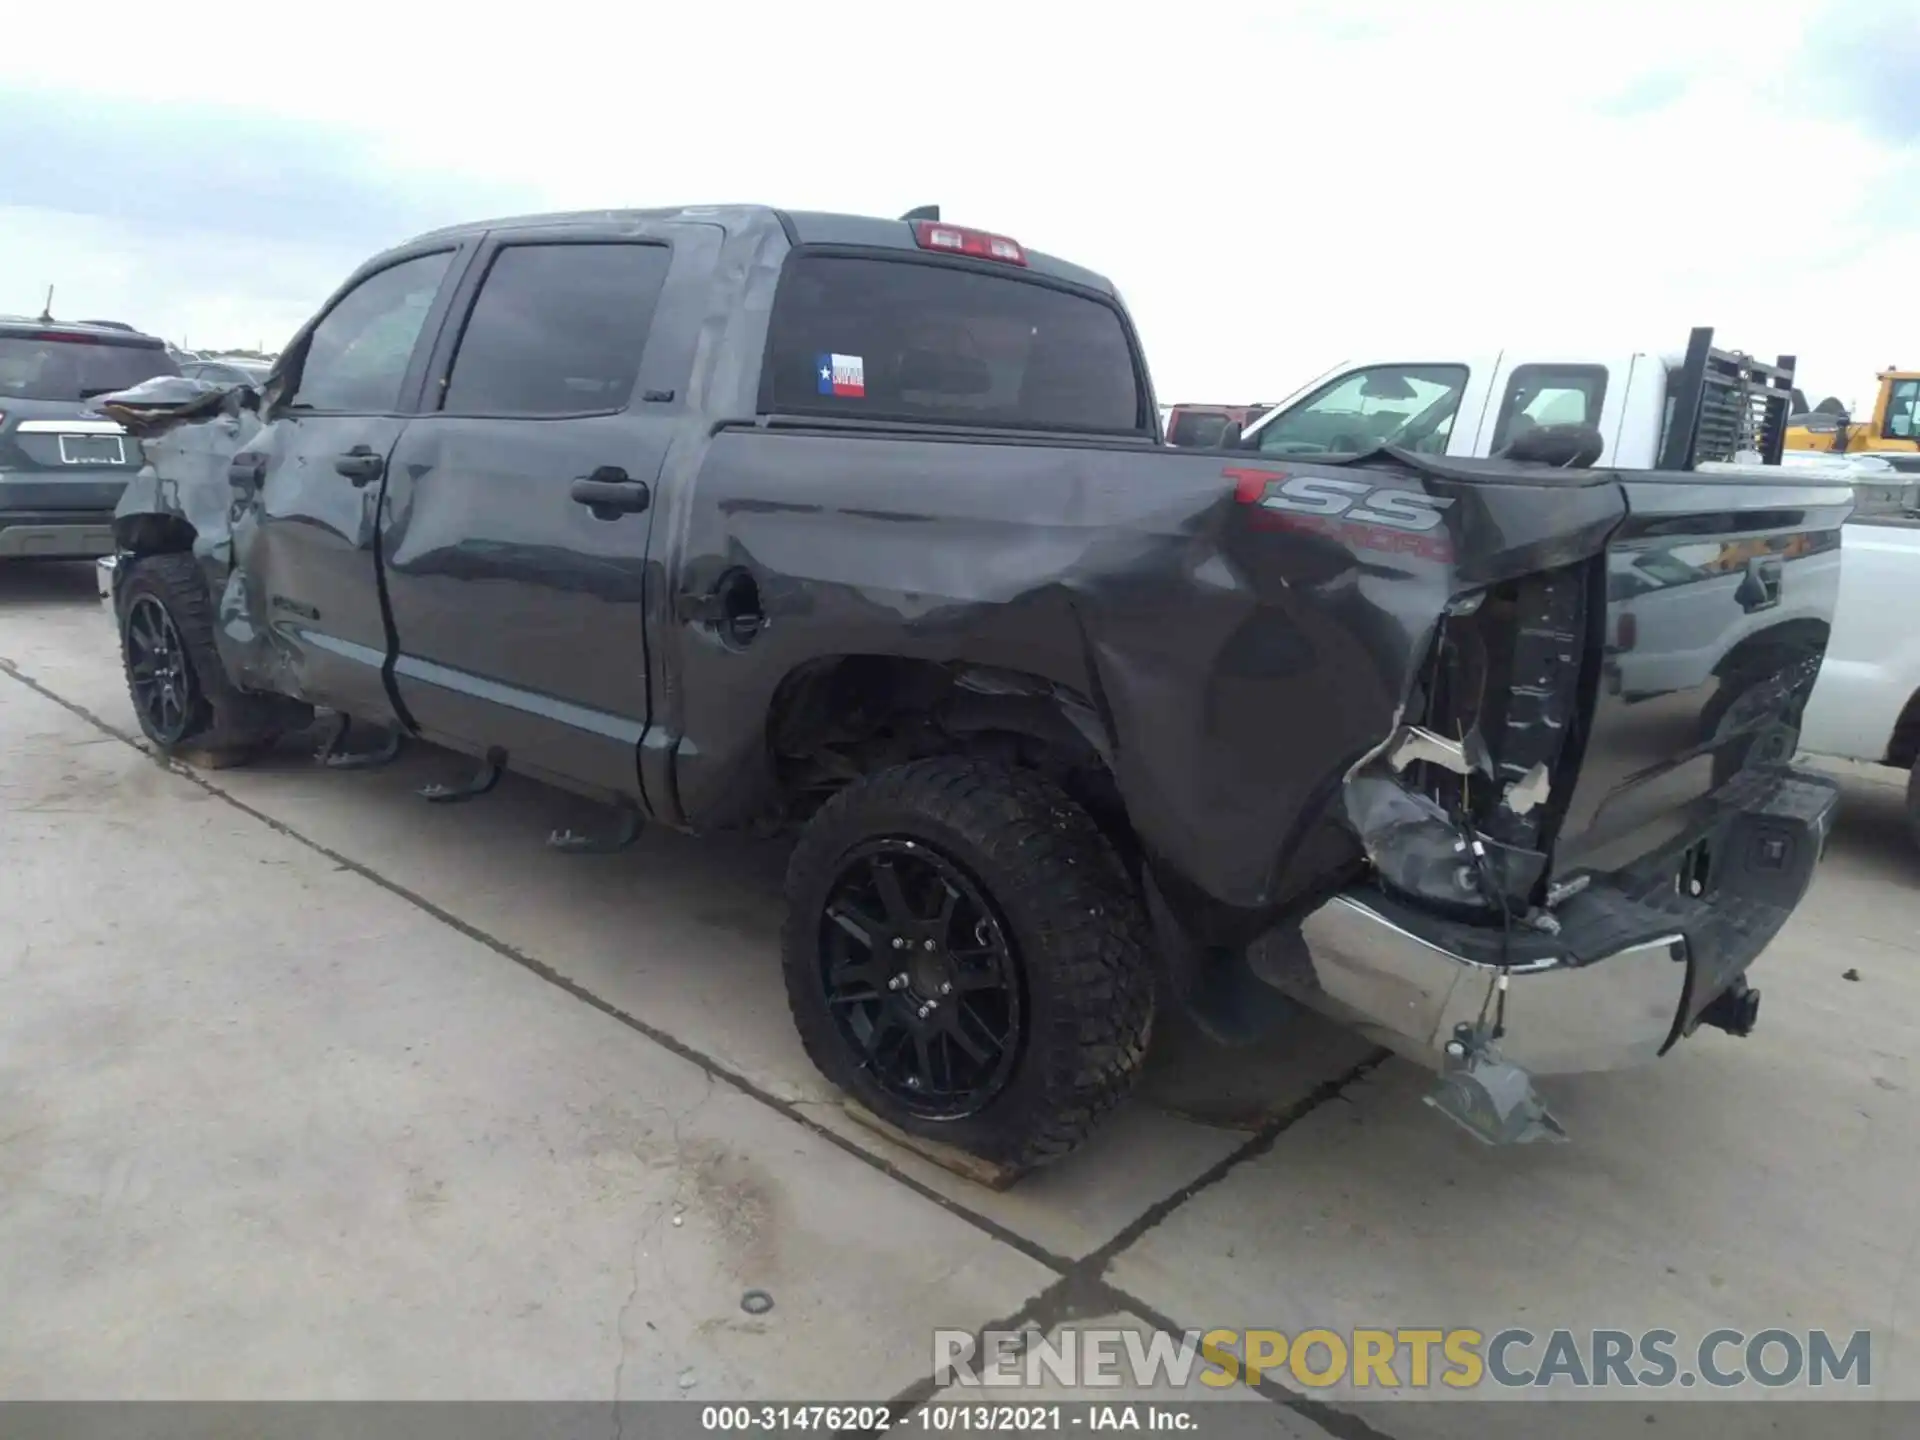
column 936, row 235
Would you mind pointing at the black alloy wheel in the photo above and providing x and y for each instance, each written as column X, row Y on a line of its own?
column 921, row 979
column 965, row 956
column 158, row 674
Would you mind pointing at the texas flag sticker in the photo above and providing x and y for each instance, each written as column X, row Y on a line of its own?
column 842, row 375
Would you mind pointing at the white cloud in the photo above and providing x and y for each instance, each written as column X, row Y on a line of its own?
column 1272, row 186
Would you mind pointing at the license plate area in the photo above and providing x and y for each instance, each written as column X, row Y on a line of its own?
column 93, row 450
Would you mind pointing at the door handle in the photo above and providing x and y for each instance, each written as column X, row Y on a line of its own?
column 1760, row 590
column 247, row 471
column 610, row 493
column 360, row 465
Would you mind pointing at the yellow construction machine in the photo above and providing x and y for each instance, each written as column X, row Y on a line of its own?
column 1893, row 432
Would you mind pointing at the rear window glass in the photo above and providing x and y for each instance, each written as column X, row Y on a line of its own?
column 57, row 368
column 903, row 340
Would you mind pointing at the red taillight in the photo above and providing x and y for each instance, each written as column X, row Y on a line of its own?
column 937, row 235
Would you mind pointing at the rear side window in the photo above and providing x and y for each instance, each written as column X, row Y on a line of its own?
column 1549, row 395
column 557, row 330
column 907, row 340
column 53, row 367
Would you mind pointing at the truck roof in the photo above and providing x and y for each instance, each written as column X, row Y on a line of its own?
column 802, row 227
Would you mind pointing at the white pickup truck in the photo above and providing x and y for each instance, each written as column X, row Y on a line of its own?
column 1866, row 705
column 1730, row 406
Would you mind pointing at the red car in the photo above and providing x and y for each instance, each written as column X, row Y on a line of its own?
column 1202, row 427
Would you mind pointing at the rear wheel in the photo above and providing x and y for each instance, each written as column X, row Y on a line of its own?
column 180, row 691
column 963, row 955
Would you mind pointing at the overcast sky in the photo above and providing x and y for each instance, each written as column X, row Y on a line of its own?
column 1273, row 188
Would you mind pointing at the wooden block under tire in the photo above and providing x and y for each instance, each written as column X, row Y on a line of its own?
column 213, row 759
column 989, row 1173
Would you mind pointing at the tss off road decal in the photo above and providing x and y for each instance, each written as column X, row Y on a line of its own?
column 1358, row 512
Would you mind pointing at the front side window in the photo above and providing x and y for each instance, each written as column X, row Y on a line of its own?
column 557, row 329
column 1903, row 411
column 1408, row 406
column 357, row 356
column 887, row 339
column 1549, row 395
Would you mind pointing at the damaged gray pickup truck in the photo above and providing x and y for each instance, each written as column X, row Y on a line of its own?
column 865, row 529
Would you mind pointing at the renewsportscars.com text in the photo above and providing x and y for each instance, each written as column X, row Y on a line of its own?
column 1406, row 1358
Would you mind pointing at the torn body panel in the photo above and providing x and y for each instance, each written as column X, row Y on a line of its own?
column 1238, row 664
column 291, row 565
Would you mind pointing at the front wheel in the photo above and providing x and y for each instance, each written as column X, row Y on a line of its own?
column 963, row 955
column 180, row 691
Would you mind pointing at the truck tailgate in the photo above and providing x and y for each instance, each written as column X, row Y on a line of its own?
column 1720, row 598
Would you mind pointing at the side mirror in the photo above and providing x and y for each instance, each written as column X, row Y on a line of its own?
column 1231, row 436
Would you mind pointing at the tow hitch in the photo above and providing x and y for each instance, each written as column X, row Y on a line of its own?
column 1488, row 1096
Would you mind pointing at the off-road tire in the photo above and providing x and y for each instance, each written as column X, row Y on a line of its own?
column 1077, row 931
column 225, row 724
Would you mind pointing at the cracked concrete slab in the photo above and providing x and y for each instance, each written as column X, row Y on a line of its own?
column 1745, row 1183
column 685, row 932
column 267, row 1130
column 1119, row 1359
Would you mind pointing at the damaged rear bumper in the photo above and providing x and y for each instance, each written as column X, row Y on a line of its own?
column 1640, row 957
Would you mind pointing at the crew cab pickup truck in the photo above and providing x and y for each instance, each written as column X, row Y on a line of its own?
column 866, row 529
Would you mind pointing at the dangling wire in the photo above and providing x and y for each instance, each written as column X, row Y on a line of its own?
column 1484, row 870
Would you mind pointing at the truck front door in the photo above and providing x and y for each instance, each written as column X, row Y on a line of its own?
column 318, row 467
column 520, row 502
column 1431, row 407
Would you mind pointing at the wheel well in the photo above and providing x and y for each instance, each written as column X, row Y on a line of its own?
column 153, row 534
column 836, row 719
column 1904, row 748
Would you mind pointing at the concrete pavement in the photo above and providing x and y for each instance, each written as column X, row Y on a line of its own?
column 308, row 1088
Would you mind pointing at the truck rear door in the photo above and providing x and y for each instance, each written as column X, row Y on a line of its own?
column 520, row 501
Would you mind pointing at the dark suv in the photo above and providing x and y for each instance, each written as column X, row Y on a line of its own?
column 62, row 465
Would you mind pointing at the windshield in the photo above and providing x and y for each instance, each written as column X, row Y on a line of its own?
column 58, row 367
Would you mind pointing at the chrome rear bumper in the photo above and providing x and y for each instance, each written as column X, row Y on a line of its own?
column 1408, row 994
